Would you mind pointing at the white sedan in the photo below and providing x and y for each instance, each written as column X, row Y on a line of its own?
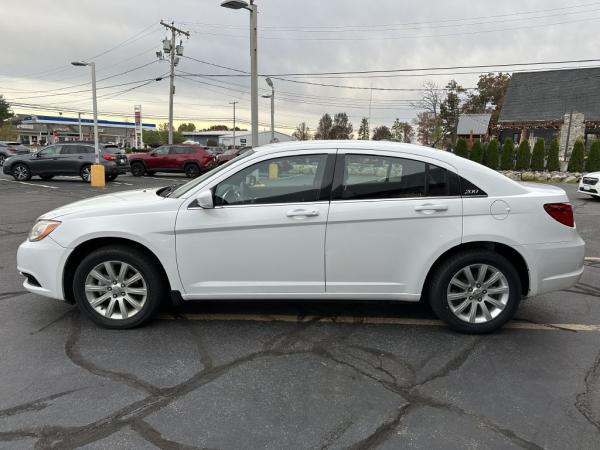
column 590, row 184
column 318, row 220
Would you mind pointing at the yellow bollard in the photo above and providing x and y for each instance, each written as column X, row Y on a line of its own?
column 273, row 171
column 97, row 176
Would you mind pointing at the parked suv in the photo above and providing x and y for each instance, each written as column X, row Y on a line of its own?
column 228, row 155
column 67, row 158
column 8, row 149
column 188, row 158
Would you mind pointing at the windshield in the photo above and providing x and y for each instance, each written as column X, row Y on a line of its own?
column 181, row 190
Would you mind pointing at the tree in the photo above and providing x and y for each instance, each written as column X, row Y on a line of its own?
column 402, row 131
column 382, row 133
column 429, row 130
column 537, row 159
column 577, row 155
column 5, row 111
column 450, row 110
column 302, row 132
column 492, row 155
column 154, row 138
column 342, row 127
column 363, row 130
column 489, row 96
column 186, row 127
column 477, row 152
column 507, row 161
column 324, row 127
column 552, row 164
column 524, row 156
column 219, row 128
column 592, row 163
column 461, row 148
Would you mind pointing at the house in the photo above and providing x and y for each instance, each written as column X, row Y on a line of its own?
column 561, row 104
column 474, row 126
column 225, row 138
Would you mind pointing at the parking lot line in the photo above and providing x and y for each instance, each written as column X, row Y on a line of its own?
column 30, row 184
column 369, row 321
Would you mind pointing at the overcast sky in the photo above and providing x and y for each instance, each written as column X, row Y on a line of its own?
column 42, row 37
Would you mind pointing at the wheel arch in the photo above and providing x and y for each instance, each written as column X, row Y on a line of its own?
column 513, row 256
column 86, row 247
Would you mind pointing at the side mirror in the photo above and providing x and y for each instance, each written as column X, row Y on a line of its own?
column 205, row 199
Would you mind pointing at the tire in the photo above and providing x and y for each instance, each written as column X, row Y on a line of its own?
column 86, row 173
column 466, row 311
column 191, row 170
column 111, row 177
column 46, row 177
column 21, row 172
column 137, row 169
column 2, row 159
column 129, row 309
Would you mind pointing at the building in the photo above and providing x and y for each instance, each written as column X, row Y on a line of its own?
column 561, row 104
column 474, row 126
column 42, row 130
column 225, row 138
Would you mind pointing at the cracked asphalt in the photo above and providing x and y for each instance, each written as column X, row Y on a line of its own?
column 292, row 375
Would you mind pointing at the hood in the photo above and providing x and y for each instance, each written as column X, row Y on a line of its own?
column 117, row 203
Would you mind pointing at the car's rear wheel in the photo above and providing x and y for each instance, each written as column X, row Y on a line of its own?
column 86, row 173
column 137, row 169
column 477, row 291
column 2, row 159
column 21, row 172
column 118, row 287
column 191, row 170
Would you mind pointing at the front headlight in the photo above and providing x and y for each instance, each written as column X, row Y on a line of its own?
column 42, row 228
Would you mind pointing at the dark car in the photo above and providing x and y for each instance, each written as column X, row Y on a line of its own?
column 228, row 155
column 187, row 158
column 8, row 149
column 66, row 158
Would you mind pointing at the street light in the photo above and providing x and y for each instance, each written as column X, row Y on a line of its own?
column 241, row 4
column 97, row 170
column 272, row 97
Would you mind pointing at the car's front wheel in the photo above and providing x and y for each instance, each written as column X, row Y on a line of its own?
column 192, row 170
column 476, row 291
column 21, row 172
column 118, row 287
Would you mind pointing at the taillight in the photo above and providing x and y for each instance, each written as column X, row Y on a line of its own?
column 561, row 212
column 109, row 157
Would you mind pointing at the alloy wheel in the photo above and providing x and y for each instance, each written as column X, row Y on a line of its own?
column 2, row 158
column 21, row 172
column 86, row 174
column 116, row 290
column 478, row 293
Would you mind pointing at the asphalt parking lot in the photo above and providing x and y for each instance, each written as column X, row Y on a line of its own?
column 294, row 375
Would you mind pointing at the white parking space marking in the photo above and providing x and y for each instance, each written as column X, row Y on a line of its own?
column 592, row 258
column 30, row 184
column 372, row 321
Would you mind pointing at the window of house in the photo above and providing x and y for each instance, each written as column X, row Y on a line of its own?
column 280, row 180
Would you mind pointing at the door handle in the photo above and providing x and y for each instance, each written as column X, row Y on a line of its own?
column 429, row 207
column 302, row 213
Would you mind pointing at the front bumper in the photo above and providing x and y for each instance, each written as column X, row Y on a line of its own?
column 44, row 261
column 589, row 188
column 558, row 266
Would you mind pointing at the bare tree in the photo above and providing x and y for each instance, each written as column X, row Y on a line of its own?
column 302, row 132
column 431, row 99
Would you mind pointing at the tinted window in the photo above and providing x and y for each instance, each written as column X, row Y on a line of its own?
column 280, row 180
column 181, row 150
column 52, row 150
column 468, row 189
column 372, row 177
column 161, row 151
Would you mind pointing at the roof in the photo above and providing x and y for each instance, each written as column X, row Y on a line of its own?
column 75, row 121
column 473, row 124
column 207, row 133
column 548, row 95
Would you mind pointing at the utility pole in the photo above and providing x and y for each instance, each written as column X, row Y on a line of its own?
column 170, row 47
column 80, row 132
column 233, row 103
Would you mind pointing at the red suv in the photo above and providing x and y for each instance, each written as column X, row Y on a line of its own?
column 188, row 158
